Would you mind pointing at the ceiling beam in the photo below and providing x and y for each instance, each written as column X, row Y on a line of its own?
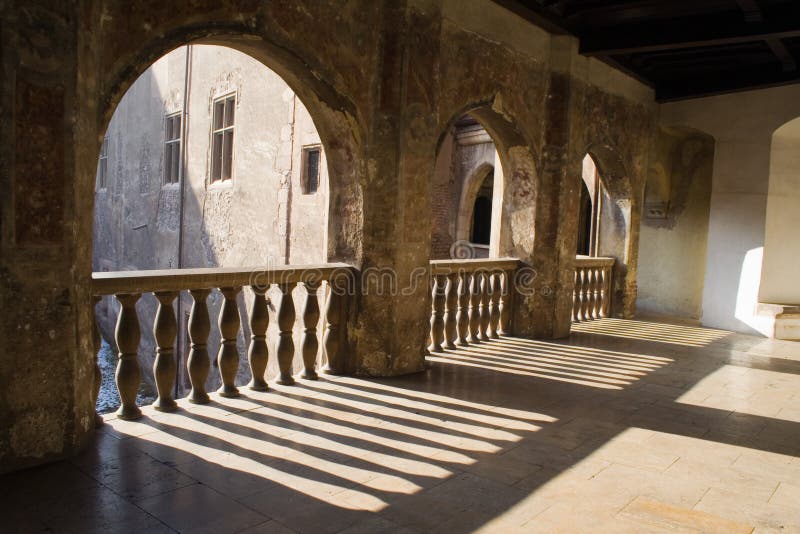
column 788, row 63
column 537, row 15
column 752, row 11
column 691, row 32
column 700, row 86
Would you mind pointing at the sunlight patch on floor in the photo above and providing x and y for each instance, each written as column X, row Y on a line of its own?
column 574, row 365
column 689, row 336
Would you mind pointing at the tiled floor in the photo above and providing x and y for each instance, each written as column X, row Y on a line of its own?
column 628, row 426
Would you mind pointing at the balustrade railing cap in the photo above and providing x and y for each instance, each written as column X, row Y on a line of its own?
column 593, row 261
column 471, row 265
column 118, row 282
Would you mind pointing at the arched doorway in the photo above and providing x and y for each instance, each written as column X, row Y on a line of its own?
column 482, row 215
column 467, row 179
column 604, row 223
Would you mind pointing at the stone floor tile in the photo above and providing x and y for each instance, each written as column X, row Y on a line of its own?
column 99, row 510
column 741, row 507
column 268, row 527
column 677, row 518
column 786, row 495
column 714, row 476
column 199, row 509
column 768, row 465
column 377, row 525
column 637, row 456
column 138, row 476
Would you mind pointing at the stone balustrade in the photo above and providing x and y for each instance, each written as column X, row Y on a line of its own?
column 591, row 298
column 166, row 285
column 471, row 301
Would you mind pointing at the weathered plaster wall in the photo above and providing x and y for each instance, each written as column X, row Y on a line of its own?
column 672, row 251
column 742, row 125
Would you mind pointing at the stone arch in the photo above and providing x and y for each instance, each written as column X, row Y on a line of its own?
column 334, row 115
column 514, row 178
column 674, row 223
column 615, row 233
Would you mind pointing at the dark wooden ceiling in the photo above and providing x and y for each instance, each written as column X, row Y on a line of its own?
column 682, row 48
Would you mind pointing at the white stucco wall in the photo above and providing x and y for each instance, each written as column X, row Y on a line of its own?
column 779, row 274
column 742, row 125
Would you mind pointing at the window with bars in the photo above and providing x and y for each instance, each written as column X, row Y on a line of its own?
column 172, row 149
column 222, row 138
column 102, row 166
column 310, row 169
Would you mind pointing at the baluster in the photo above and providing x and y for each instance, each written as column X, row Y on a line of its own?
column 228, row 354
column 504, row 304
column 128, row 375
column 98, row 373
column 483, row 307
column 258, row 353
column 437, row 313
column 450, row 311
column 587, row 293
column 596, row 296
column 462, row 313
column 330, row 340
column 474, row 310
column 285, row 349
column 581, row 292
column 198, row 364
column 494, row 305
column 575, row 291
column 310, row 345
column 605, row 277
column 578, row 296
column 165, row 329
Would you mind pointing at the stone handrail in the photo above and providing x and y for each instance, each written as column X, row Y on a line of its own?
column 591, row 298
column 471, row 301
column 128, row 286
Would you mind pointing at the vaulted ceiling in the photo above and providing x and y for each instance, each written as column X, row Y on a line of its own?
column 682, row 48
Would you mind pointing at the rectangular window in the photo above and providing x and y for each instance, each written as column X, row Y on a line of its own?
column 222, row 138
column 102, row 166
column 310, row 169
column 172, row 149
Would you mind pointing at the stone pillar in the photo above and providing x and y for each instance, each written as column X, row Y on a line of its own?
column 392, row 329
column 543, row 299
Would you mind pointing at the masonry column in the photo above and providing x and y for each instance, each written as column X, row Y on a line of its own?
column 545, row 310
column 393, row 322
column 46, row 347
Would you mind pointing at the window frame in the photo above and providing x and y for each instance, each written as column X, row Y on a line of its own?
column 221, row 131
column 170, row 148
column 102, row 166
column 304, row 183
